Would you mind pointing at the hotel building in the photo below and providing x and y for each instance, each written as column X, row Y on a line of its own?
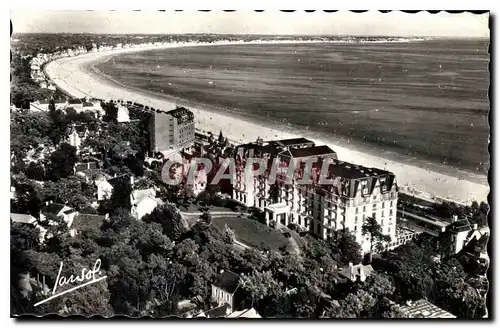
column 353, row 193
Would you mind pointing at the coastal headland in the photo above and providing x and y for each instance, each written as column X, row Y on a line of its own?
column 78, row 77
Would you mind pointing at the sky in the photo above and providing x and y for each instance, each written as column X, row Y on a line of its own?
column 250, row 22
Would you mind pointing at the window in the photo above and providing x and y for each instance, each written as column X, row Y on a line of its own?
column 357, row 210
column 364, row 208
column 374, row 197
column 391, row 203
column 390, row 212
column 383, row 205
column 374, row 215
column 382, row 214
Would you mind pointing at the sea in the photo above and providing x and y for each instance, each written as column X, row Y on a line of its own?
column 426, row 100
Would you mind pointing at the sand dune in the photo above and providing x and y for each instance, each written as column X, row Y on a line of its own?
column 74, row 76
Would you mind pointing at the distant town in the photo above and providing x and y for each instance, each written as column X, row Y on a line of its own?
column 87, row 183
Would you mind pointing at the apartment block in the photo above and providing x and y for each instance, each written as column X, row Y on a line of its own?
column 168, row 130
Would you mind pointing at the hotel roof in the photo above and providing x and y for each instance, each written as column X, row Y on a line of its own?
column 353, row 171
column 180, row 112
column 292, row 142
column 425, row 309
column 312, row 151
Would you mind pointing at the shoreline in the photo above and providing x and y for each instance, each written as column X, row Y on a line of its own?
column 78, row 77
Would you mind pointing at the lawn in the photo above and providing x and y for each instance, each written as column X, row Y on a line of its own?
column 253, row 233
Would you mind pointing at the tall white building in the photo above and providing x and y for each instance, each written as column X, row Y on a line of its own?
column 353, row 193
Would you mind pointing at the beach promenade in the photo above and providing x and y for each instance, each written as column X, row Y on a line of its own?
column 75, row 76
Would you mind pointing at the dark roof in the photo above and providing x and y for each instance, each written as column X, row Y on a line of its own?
column 218, row 312
column 312, row 151
column 460, row 225
column 117, row 181
column 52, row 208
column 483, row 241
column 87, row 222
column 181, row 113
column 353, row 171
column 79, row 128
column 228, row 281
column 87, row 104
column 74, row 101
column 81, row 167
column 292, row 142
column 44, row 102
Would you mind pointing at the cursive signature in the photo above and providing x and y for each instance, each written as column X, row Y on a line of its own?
column 87, row 277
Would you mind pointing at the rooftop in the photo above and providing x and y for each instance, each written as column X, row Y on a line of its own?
column 353, row 171
column 460, row 225
column 292, row 142
column 228, row 281
column 352, row 272
column 248, row 313
column 74, row 101
column 312, row 151
column 217, row 312
column 87, row 222
column 80, row 167
column 54, row 208
column 425, row 309
column 181, row 112
column 22, row 218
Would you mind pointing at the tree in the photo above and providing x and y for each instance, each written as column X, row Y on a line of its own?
column 260, row 285
column 229, row 236
column 206, row 218
column 220, row 141
column 170, row 218
column 305, row 302
column 347, row 249
column 111, row 112
column 52, row 105
column 35, row 171
column 120, row 198
column 62, row 162
column 28, row 196
column 374, row 230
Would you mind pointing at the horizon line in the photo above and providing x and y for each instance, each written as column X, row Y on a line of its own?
column 264, row 34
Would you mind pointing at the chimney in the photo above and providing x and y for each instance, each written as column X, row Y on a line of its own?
column 132, row 180
column 47, row 203
column 455, row 218
column 221, row 271
column 474, row 226
column 114, row 176
column 106, row 216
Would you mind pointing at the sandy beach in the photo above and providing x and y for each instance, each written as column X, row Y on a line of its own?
column 74, row 75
